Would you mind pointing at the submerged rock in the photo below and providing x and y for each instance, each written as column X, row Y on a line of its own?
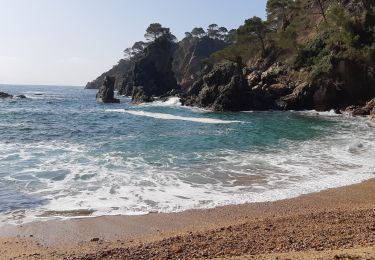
column 106, row 91
column 5, row 95
column 21, row 96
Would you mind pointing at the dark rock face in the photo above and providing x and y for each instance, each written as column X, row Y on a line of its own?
column 189, row 56
column 223, row 89
column 272, row 85
column 106, row 92
column 118, row 71
column 186, row 60
column 5, row 95
column 347, row 84
column 153, row 74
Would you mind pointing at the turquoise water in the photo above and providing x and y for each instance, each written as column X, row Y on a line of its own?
column 62, row 151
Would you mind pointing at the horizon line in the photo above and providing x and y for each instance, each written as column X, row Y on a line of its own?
column 39, row 85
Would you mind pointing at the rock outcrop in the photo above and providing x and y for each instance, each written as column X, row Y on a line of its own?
column 106, row 91
column 188, row 60
column 152, row 74
column 367, row 109
column 5, row 95
column 222, row 89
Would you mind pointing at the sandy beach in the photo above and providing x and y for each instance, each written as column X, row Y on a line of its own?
column 333, row 224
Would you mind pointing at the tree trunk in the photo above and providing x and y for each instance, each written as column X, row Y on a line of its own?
column 322, row 12
column 263, row 45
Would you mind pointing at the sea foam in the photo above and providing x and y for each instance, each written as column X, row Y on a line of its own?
column 174, row 117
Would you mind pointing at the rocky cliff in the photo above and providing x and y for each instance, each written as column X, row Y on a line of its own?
column 332, row 69
column 188, row 58
column 152, row 73
column 316, row 57
column 188, row 61
column 223, row 88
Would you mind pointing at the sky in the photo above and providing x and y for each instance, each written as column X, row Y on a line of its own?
column 71, row 42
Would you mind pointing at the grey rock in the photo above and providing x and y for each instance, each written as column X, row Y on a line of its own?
column 106, row 91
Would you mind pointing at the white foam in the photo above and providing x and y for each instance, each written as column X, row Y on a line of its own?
column 173, row 102
column 120, row 182
column 170, row 102
column 331, row 113
column 173, row 117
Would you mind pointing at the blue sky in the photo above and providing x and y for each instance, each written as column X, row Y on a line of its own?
column 70, row 42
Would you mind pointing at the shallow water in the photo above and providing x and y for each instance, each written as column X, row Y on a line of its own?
column 62, row 151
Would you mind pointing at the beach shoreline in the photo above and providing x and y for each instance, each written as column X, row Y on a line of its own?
column 349, row 210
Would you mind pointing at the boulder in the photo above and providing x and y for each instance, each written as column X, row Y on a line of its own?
column 5, row 95
column 365, row 110
column 300, row 98
column 279, row 89
column 106, row 91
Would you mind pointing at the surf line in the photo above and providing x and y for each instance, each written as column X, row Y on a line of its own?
column 173, row 117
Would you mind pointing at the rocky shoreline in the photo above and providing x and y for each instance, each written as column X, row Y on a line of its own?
column 320, row 72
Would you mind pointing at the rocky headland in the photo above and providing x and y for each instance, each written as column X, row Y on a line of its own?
column 310, row 56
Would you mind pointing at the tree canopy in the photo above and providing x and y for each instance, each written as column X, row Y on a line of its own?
column 213, row 31
column 198, row 32
column 277, row 12
column 254, row 29
column 156, row 30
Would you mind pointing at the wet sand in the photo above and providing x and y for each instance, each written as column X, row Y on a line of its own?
column 333, row 224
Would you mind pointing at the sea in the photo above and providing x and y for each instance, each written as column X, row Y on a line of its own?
column 63, row 155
